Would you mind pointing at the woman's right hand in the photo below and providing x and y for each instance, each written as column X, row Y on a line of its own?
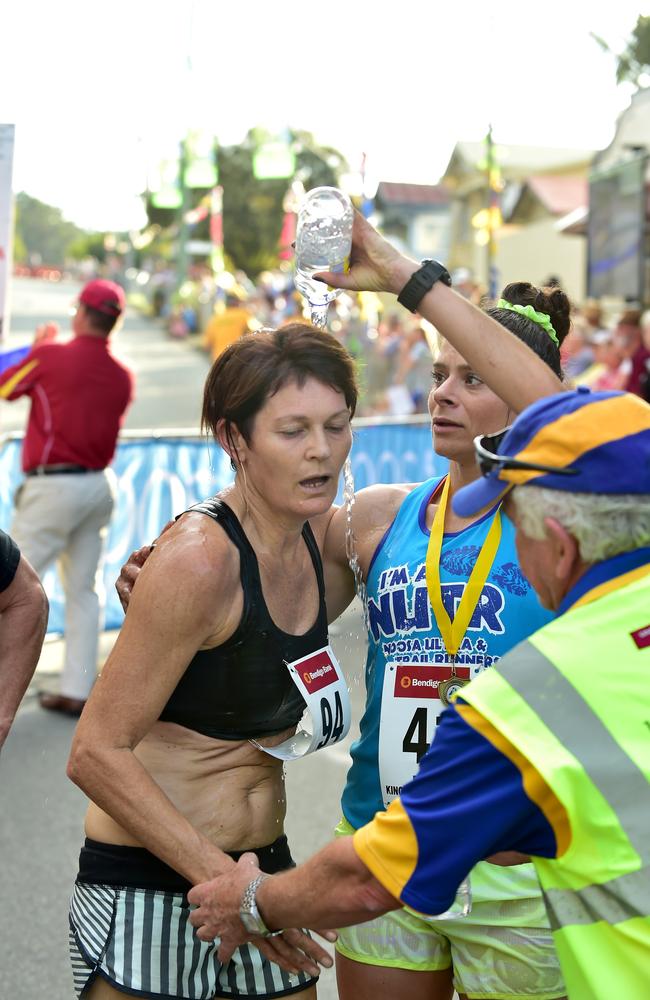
column 375, row 265
column 129, row 574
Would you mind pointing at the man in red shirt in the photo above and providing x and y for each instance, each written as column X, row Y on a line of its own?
column 79, row 393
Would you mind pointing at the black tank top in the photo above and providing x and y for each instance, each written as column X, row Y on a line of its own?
column 242, row 689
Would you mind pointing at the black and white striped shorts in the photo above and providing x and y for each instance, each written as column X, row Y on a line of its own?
column 141, row 941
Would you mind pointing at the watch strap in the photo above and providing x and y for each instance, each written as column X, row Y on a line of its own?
column 249, row 905
column 422, row 281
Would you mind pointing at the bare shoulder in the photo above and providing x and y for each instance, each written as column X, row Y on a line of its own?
column 192, row 571
column 379, row 504
column 373, row 511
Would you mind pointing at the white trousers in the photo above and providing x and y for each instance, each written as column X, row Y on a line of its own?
column 63, row 519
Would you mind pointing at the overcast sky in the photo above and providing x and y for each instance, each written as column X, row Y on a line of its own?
column 99, row 91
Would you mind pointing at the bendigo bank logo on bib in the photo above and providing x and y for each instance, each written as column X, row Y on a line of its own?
column 317, row 671
column 422, row 681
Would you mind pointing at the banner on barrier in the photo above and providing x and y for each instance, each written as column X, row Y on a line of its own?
column 160, row 477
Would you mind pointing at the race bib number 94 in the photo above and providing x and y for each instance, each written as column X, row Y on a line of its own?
column 322, row 684
column 410, row 706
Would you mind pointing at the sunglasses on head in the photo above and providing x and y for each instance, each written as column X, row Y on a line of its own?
column 487, row 446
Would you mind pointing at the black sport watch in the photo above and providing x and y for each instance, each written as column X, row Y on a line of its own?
column 421, row 281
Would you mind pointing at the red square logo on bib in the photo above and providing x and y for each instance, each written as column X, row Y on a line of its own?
column 317, row 671
column 419, row 680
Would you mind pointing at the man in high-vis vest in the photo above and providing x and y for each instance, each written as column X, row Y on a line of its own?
column 548, row 752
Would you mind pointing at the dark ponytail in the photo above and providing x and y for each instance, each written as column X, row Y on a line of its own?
column 550, row 300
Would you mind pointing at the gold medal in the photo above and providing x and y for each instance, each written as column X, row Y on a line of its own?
column 450, row 687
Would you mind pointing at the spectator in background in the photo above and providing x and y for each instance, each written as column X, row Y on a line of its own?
column 630, row 340
column 415, row 368
column 577, row 350
column 462, row 282
column 644, row 376
column 627, row 330
column 609, row 370
column 228, row 325
column 381, row 362
column 79, row 393
column 592, row 318
column 23, row 619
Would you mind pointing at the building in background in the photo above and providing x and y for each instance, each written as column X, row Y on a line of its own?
column 530, row 245
column 416, row 218
column 539, row 187
column 618, row 220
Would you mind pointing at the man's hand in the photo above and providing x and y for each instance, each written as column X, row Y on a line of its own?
column 217, row 915
column 129, row 573
column 47, row 331
column 375, row 265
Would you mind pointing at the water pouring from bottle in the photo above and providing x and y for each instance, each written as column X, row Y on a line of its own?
column 350, row 540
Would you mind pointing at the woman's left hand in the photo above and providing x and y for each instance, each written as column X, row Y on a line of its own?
column 217, row 916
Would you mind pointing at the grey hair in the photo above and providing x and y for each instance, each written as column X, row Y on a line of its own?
column 603, row 524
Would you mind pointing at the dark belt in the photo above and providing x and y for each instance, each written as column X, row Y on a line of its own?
column 58, row 470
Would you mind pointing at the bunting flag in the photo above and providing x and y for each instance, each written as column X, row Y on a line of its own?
column 287, row 236
column 165, row 187
column 12, row 357
column 216, row 229
column 200, row 163
column 274, row 159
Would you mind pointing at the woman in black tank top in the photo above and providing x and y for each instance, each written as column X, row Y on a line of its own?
column 232, row 593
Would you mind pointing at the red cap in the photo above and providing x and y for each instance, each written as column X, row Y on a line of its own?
column 104, row 296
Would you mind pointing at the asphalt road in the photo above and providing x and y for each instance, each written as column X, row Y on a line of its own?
column 42, row 812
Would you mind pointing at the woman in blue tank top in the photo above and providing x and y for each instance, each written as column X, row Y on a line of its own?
column 503, row 948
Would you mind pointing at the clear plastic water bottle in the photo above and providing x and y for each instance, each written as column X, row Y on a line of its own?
column 323, row 241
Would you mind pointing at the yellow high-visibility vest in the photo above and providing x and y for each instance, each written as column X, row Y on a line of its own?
column 571, row 706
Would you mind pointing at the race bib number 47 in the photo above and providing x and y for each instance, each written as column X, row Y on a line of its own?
column 321, row 682
column 410, row 706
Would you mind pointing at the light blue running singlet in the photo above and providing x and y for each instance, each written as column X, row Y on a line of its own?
column 403, row 628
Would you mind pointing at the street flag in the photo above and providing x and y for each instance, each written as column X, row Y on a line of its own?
column 12, row 357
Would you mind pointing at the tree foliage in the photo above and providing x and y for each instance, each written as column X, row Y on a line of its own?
column 41, row 232
column 253, row 208
column 633, row 62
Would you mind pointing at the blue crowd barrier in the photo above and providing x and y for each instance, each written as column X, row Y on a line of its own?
column 161, row 474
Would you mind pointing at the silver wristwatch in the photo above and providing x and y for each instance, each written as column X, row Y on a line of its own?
column 248, row 912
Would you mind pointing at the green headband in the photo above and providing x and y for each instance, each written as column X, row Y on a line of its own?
column 542, row 319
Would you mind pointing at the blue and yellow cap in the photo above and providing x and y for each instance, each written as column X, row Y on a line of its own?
column 579, row 442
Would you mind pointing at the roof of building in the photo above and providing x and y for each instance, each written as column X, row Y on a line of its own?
column 560, row 193
column 519, row 159
column 412, row 194
column 575, row 222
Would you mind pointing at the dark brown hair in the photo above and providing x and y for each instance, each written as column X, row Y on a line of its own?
column 98, row 320
column 550, row 300
column 258, row 364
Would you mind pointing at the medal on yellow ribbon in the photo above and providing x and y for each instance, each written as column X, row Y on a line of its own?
column 453, row 632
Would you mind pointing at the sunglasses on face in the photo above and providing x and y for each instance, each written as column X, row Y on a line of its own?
column 491, row 463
